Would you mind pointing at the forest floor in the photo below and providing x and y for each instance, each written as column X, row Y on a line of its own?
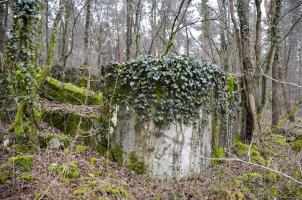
column 78, row 172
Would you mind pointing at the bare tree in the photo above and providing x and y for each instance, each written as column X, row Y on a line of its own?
column 176, row 24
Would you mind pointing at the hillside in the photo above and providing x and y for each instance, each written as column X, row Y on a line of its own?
column 75, row 171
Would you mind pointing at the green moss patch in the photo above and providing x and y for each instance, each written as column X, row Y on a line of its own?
column 291, row 191
column 117, row 154
column 24, row 162
column 242, row 149
column 68, row 122
column 69, row 93
column 93, row 160
column 80, row 148
column 218, row 153
column 98, row 188
column 297, row 143
column 26, row 177
column 111, row 175
column 4, row 173
column 249, row 176
column 135, row 164
column 66, row 171
column 4, row 176
column 99, row 172
column 23, row 148
column 272, row 177
column 54, row 141
column 278, row 139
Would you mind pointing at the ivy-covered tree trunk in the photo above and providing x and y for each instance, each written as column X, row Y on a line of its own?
column 5, row 96
column 3, row 19
column 21, row 61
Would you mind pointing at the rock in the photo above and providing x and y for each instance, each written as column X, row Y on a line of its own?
column 55, row 143
column 5, row 143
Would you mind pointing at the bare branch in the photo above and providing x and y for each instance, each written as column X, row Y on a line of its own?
column 290, row 10
column 291, row 28
column 282, row 82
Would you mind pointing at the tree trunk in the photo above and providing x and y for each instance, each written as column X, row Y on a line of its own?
column 138, row 14
column 87, row 32
column 3, row 23
column 247, row 69
column 65, row 32
column 152, row 50
column 275, row 92
column 129, row 29
column 274, row 15
column 275, row 31
column 223, row 35
column 257, row 46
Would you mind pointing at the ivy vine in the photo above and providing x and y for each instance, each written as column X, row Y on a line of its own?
column 22, row 64
column 176, row 88
column 20, row 54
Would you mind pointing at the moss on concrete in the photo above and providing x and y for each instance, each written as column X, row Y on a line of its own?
column 68, row 122
column 45, row 140
column 218, row 153
column 69, row 93
column 135, row 164
column 117, row 154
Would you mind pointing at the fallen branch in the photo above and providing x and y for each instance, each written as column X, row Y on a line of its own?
column 255, row 164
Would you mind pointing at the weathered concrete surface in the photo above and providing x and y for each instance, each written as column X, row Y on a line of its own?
column 175, row 151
